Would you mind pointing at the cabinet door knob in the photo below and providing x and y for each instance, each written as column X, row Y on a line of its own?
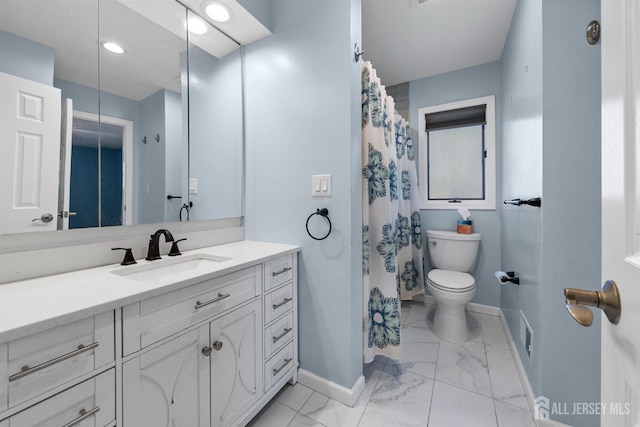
column 217, row 345
column 206, row 351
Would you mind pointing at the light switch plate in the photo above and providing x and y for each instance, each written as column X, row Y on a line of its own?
column 193, row 185
column 321, row 185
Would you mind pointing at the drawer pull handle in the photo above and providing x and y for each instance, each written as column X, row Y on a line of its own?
column 277, row 273
column 83, row 416
column 217, row 345
column 26, row 370
column 286, row 331
column 286, row 362
column 286, row 300
column 211, row 301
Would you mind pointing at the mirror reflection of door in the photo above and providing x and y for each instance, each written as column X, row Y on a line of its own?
column 98, row 175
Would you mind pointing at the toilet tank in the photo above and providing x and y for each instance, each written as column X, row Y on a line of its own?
column 449, row 250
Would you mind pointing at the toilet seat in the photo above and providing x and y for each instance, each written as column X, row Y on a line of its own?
column 451, row 281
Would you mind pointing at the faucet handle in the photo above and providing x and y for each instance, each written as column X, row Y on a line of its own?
column 128, row 256
column 175, row 251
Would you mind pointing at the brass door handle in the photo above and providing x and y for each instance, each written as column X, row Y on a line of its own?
column 608, row 300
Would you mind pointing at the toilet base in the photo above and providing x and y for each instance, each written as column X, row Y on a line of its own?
column 450, row 324
column 450, row 319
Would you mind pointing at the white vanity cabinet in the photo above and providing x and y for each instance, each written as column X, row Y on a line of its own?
column 169, row 385
column 236, row 381
column 209, row 354
column 280, row 321
column 59, row 375
column 210, row 370
column 206, row 351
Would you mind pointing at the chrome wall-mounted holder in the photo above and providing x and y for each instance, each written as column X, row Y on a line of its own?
column 608, row 300
column 536, row 201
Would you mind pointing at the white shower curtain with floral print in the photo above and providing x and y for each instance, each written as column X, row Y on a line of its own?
column 392, row 264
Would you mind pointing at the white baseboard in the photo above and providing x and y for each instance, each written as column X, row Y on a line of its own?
column 348, row 396
column 472, row 306
column 551, row 423
column 523, row 377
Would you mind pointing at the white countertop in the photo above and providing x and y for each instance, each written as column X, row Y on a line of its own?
column 33, row 305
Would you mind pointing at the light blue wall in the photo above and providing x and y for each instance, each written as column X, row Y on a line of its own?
column 175, row 147
column 260, row 9
column 571, row 209
column 215, row 134
column 459, row 85
column 150, row 167
column 551, row 147
column 302, row 98
column 25, row 58
column 522, row 178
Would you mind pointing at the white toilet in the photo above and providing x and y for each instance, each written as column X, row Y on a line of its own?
column 453, row 256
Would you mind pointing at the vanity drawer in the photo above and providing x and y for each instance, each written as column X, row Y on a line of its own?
column 278, row 271
column 278, row 334
column 278, row 366
column 37, row 363
column 278, row 302
column 156, row 318
column 90, row 403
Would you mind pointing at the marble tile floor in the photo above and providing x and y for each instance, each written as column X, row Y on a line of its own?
column 436, row 384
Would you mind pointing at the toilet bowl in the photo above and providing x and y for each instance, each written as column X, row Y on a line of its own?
column 452, row 290
column 453, row 255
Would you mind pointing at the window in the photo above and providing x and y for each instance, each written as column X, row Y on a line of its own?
column 457, row 155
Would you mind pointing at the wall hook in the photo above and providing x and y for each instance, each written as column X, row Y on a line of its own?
column 144, row 140
column 357, row 53
column 157, row 138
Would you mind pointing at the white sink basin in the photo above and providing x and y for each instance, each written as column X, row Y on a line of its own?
column 191, row 265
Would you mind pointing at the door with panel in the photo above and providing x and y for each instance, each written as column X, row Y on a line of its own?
column 236, row 380
column 620, row 349
column 169, row 385
column 29, row 154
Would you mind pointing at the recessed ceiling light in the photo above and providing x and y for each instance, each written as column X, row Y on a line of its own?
column 195, row 25
column 113, row 47
column 218, row 12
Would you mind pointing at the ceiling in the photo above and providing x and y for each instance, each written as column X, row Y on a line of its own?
column 152, row 33
column 407, row 40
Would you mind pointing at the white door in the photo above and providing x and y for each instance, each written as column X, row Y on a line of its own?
column 65, row 165
column 29, row 155
column 621, row 208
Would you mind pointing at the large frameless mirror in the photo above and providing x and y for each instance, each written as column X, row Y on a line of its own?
column 128, row 114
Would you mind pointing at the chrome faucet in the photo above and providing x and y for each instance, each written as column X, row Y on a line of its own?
column 154, row 244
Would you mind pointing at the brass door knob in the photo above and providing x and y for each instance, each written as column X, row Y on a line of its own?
column 608, row 300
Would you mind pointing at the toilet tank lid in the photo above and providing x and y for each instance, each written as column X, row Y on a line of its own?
column 452, row 235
